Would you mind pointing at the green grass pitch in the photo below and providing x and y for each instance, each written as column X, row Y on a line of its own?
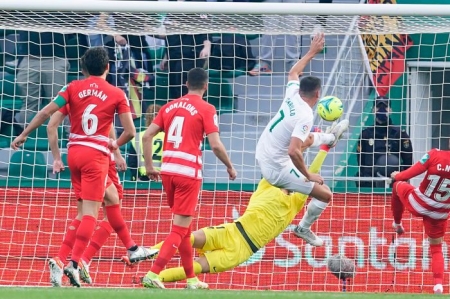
column 93, row 293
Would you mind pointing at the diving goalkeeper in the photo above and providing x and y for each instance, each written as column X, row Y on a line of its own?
column 268, row 214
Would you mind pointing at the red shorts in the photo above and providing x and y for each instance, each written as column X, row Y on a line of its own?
column 182, row 194
column 89, row 171
column 434, row 228
column 113, row 178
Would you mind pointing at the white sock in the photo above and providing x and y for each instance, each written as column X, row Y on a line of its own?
column 313, row 212
column 322, row 138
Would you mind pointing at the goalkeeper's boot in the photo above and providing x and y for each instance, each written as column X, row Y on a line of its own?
column 438, row 289
column 338, row 131
column 84, row 272
column 307, row 235
column 152, row 281
column 139, row 255
column 73, row 274
column 398, row 228
column 196, row 284
column 56, row 271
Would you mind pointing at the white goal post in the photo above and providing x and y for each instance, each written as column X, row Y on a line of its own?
column 141, row 16
column 36, row 205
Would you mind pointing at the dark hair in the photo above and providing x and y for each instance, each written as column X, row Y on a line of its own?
column 309, row 85
column 197, row 78
column 150, row 113
column 95, row 61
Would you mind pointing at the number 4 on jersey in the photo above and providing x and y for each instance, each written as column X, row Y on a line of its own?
column 174, row 134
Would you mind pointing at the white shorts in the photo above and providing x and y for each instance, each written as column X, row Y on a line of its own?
column 288, row 177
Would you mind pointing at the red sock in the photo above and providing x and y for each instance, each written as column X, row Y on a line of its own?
column 69, row 239
column 186, row 255
column 84, row 234
column 118, row 224
column 169, row 247
column 101, row 234
column 437, row 263
column 396, row 205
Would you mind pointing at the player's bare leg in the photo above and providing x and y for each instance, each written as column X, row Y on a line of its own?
column 397, row 208
column 321, row 198
column 56, row 264
column 321, row 194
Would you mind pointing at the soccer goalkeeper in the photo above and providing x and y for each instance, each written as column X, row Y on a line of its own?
column 226, row 246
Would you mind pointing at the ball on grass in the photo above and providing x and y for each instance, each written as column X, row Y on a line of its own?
column 341, row 266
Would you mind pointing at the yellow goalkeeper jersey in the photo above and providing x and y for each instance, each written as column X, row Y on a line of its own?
column 269, row 212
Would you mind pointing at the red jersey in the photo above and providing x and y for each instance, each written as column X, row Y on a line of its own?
column 66, row 111
column 185, row 122
column 93, row 103
column 432, row 198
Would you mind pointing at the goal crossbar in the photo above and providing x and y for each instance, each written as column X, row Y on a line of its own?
column 144, row 18
column 227, row 8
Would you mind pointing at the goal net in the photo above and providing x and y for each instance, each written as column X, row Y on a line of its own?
column 396, row 51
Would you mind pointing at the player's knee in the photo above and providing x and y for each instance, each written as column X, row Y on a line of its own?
column 327, row 194
column 111, row 196
column 435, row 241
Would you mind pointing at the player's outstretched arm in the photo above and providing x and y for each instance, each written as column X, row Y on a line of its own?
column 221, row 153
column 413, row 171
column 317, row 45
column 52, row 133
column 147, row 147
column 35, row 123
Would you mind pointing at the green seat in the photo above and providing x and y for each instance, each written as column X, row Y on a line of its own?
column 5, row 141
column 27, row 164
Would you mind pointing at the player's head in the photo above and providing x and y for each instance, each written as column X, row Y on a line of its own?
column 197, row 80
column 382, row 110
column 151, row 113
column 95, row 61
column 310, row 89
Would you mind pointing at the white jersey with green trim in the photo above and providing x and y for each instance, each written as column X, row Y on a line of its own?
column 293, row 119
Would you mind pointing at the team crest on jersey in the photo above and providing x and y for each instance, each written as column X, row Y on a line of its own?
column 424, row 158
column 216, row 120
column 305, row 128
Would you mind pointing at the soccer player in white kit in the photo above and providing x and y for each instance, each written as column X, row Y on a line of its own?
column 279, row 151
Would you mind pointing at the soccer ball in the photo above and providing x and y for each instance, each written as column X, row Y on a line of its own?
column 330, row 108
